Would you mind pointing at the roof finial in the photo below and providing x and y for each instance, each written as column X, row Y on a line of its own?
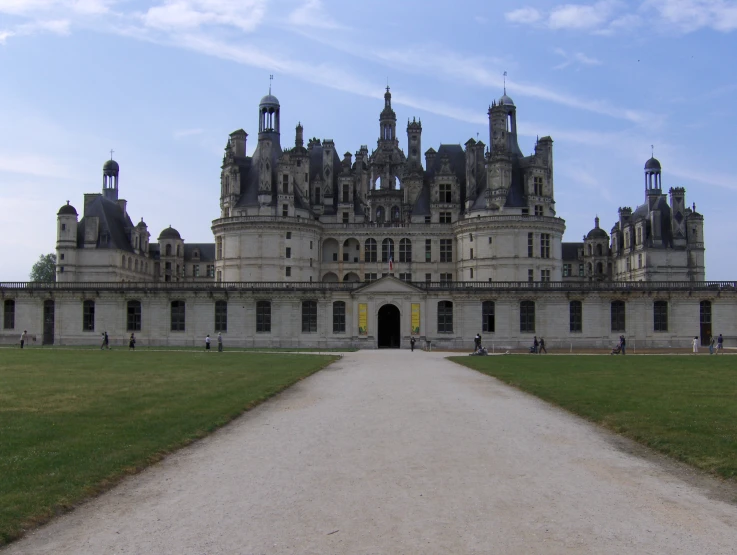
column 652, row 151
column 67, row 202
column 271, row 78
column 505, row 82
column 111, row 153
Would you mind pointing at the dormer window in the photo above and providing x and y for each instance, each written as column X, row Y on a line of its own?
column 196, row 254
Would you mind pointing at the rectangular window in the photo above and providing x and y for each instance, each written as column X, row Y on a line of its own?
column 629, row 264
column 445, row 317
column 487, row 316
column 471, row 254
column 428, row 250
column 309, row 316
column 545, row 275
column 196, row 270
column 289, row 236
column 490, row 240
column 9, row 314
column 88, row 316
column 618, row 316
column 177, row 315
column 285, row 210
column 405, row 277
column 530, row 244
column 576, row 316
column 345, row 217
column 660, row 316
column 369, row 250
column 288, row 271
column 538, row 210
column 263, row 317
column 218, row 248
column 445, row 218
column 220, row 276
column 428, row 219
column 289, row 252
column 446, row 279
column 221, row 316
column 446, row 250
column 338, row 317
column 639, row 261
column 317, row 195
column 370, row 277
column 530, row 275
column 470, row 273
column 285, row 184
column 566, row 270
column 527, row 317
column 545, row 245
column 63, row 227
column 537, row 186
column 580, row 270
column 310, row 245
column 446, row 194
column 405, row 250
column 428, row 278
column 210, row 270
column 346, row 193
column 134, row 316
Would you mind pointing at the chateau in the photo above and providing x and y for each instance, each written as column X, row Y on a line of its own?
column 464, row 240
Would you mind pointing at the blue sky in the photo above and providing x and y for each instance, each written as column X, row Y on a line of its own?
column 164, row 82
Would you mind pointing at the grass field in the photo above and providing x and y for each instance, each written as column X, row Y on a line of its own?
column 73, row 423
column 683, row 406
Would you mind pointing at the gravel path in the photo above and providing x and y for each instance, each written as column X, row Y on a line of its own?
column 392, row 452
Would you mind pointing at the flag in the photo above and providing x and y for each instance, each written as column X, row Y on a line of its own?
column 391, row 263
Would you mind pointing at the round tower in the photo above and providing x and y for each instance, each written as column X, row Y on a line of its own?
column 653, row 186
column 110, row 171
column 66, row 243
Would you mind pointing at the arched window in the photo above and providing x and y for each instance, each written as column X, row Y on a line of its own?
column 88, row 316
column 387, row 250
column 527, row 317
column 599, row 268
column 221, row 316
column 591, row 251
column 177, row 315
column 309, row 316
column 369, row 254
column 487, row 316
column 575, row 310
column 134, row 316
column 263, row 317
column 9, row 314
column 123, row 264
column 591, row 268
column 135, row 265
column 130, row 263
column 395, row 213
column 338, row 317
column 178, row 251
column 445, row 317
column 380, row 215
column 618, row 316
column 405, row 250
column 168, row 250
column 598, row 250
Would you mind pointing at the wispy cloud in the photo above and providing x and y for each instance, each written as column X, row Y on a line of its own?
column 185, row 15
column 57, row 27
column 692, row 15
column 524, row 16
column 577, row 58
column 34, row 165
column 28, row 7
column 187, row 133
column 312, row 14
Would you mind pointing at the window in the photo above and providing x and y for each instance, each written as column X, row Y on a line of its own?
column 177, row 316
column 428, row 219
column 545, row 275
column 221, row 316
column 530, row 275
column 289, row 252
column 263, row 317
column 370, row 277
column 639, row 261
column 618, row 316
column 405, row 250
column 289, row 236
column 387, row 250
column 338, row 317
column 527, row 317
column 134, row 316
column 660, row 316
column 470, row 237
column 288, row 271
column 446, row 194
column 285, row 210
column 218, row 248
column 638, row 236
column 446, row 279
column 525, row 211
column 487, row 316
column 88, row 316
column 576, row 316
column 445, row 218
column 345, row 217
column 310, row 244
column 446, row 250
column 470, row 273
column 380, row 215
column 428, row 278
column 537, row 186
column 167, row 250
column 530, row 240
column 428, row 250
column 629, row 264
column 317, row 195
column 346, row 192
column 210, row 270
column 309, row 316
column 285, row 184
column 538, row 210
column 405, row 277
column 195, row 270
column 63, row 227
column 567, row 269
column 545, row 245
column 9, row 314
column 369, row 253
column 445, row 317
column 471, row 254
column 580, row 270
column 490, row 240
column 395, row 214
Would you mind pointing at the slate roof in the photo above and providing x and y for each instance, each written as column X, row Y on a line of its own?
column 570, row 250
column 207, row 252
column 114, row 224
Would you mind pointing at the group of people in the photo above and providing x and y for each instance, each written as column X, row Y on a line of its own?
column 621, row 348
column 716, row 345
column 538, row 346
column 220, row 342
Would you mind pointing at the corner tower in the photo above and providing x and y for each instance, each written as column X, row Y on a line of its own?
column 110, row 171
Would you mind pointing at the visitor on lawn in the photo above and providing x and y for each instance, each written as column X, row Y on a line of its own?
column 220, row 342
column 207, row 342
column 477, row 342
column 623, row 343
column 695, row 344
column 712, row 344
column 105, row 341
column 720, row 344
column 542, row 346
column 23, row 338
column 132, row 343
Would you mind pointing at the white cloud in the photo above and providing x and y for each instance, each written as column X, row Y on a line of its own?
column 312, row 14
column 526, row 16
column 582, row 16
column 692, row 15
column 578, row 58
column 185, row 15
column 57, row 27
column 26, row 7
column 32, row 164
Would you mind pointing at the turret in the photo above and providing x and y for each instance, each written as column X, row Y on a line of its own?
column 110, row 171
column 653, row 186
column 387, row 121
column 66, row 242
column 414, row 142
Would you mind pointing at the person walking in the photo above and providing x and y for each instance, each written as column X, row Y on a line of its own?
column 477, row 342
column 207, row 343
column 132, row 343
column 712, row 344
column 412, row 344
column 220, row 342
column 623, row 343
column 695, row 344
column 105, row 341
column 720, row 344
column 542, row 346
column 23, row 338
column 535, row 344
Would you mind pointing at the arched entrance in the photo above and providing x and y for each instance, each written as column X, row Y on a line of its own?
column 389, row 327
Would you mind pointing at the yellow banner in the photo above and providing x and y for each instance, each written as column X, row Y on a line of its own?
column 362, row 319
column 415, row 318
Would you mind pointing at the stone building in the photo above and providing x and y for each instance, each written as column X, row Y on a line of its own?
column 473, row 225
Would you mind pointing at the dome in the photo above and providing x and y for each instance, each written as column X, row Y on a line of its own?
column 67, row 209
column 506, row 101
column 142, row 224
column 269, row 100
column 111, row 166
column 597, row 233
column 652, row 164
column 169, row 233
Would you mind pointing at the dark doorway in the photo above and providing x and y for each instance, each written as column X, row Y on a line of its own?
column 48, row 338
column 705, row 320
column 389, row 327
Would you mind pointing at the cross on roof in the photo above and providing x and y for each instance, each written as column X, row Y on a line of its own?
column 111, row 153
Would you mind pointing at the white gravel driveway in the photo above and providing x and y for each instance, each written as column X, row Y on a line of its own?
column 395, row 452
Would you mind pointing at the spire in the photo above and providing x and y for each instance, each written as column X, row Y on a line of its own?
column 505, row 82
column 596, row 222
column 271, row 79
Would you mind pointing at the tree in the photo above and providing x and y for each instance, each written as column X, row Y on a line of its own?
column 45, row 268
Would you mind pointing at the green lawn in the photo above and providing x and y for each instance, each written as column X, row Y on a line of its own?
column 72, row 423
column 683, row 406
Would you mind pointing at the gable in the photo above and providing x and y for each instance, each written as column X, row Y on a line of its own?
column 388, row 284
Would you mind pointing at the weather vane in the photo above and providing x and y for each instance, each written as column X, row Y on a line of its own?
column 505, row 82
column 111, row 153
column 271, row 78
column 652, row 151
